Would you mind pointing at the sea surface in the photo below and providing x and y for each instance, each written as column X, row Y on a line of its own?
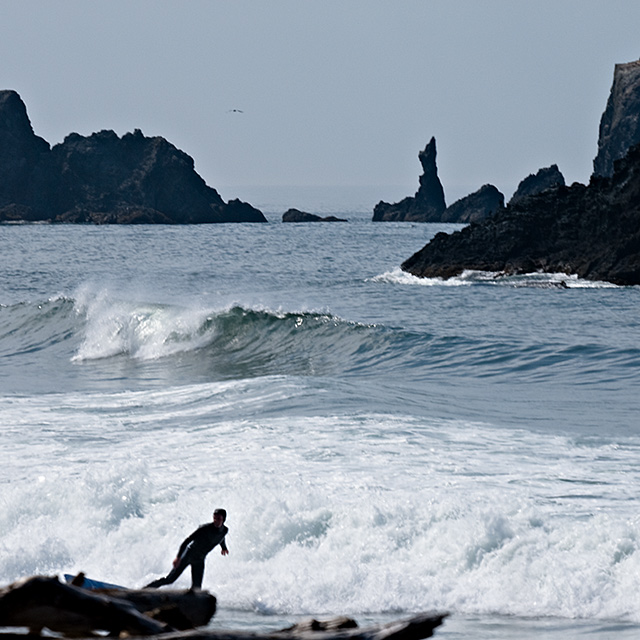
column 384, row 445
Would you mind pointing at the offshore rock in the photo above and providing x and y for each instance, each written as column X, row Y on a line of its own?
column 546, row 178
column 476, row 206
column 592, row 231
column 620, row 122
column 295, row 215
column 20, row 149
column 102, row 178
column 427, row 205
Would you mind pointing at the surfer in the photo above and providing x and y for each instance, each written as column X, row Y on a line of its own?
column 194, row 550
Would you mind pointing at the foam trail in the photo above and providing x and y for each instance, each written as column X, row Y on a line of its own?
column 469, row 277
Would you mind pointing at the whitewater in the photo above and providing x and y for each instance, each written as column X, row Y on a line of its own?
column 384, row 445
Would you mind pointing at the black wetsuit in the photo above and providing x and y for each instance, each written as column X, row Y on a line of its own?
column 193, row 551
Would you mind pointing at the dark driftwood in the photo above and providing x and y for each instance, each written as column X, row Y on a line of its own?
column 414, row 628
column 179, row 609
column 41, row 602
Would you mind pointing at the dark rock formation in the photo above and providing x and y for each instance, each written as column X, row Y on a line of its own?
column 295, row 215
column 102, row 178
column 20, row 148
column 475, row 207
column 620, row 122
column 592, row 231
column 427, row 205
column 546, row 178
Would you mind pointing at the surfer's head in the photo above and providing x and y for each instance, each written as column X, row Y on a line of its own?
column 219, row 516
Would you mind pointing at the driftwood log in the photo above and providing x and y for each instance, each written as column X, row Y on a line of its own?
column 414, row 628
column 45, row 603
column 179, row 609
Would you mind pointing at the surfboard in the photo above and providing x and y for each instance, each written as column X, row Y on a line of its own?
column 92, row 584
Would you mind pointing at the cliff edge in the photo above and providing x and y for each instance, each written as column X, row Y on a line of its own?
column 620, row 122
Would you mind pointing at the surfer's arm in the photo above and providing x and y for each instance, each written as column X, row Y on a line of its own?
column 223, row 548
column 184, row 545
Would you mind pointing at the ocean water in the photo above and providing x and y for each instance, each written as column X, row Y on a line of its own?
column 383, row 445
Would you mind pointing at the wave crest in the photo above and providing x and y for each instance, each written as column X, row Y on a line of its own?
column 156, row 342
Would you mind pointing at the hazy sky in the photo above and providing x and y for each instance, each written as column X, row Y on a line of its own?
column 332, row 92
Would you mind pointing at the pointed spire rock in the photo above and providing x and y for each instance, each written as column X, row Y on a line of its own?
column 427, row 205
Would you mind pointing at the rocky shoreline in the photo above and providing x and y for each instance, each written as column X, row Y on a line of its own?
column 592, row 231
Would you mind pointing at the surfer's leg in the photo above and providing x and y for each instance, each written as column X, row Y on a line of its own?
column 171, row 577
column 156, row 583
column 197, row 572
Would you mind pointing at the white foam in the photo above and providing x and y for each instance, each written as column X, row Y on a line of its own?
column 470, row 277
column 335, row 514
column 398, row 276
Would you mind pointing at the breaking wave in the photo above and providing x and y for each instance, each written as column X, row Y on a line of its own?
column 99, row 332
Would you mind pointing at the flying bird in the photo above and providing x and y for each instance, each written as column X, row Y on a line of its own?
column 235, row 111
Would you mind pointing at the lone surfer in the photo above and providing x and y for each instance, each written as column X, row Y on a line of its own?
column 194, row 550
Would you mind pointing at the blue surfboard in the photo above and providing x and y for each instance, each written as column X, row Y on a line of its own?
column 87, row 583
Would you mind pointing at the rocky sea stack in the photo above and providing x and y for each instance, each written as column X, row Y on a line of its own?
column 592, row 231
column 427, row 205
column 102, row 178
column 476, row 206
